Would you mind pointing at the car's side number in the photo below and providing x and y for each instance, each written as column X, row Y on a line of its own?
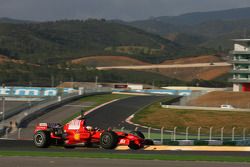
column 122, row 141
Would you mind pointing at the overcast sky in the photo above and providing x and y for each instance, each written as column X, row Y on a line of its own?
column 109, row 9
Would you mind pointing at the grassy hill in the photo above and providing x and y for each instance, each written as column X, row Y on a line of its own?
column 53, row 42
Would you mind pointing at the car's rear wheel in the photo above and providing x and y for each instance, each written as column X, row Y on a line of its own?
column 138, row 134
column 41, row 139
column 109, row 140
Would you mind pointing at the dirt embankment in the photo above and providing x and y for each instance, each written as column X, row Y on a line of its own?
column 186, row 74
column 197, row 59
column 5, row 59
column 96, row 61
column 217, row 98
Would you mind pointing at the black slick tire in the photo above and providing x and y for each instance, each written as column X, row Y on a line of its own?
column 133, row 146
column 41, row 139
column 109, row 140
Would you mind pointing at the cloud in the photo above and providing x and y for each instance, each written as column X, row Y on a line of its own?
column 110, row 9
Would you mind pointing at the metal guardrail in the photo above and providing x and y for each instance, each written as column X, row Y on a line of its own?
column 49, row 105
column 22, row 107
column 21, row 112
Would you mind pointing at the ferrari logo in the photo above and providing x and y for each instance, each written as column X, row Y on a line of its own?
column 77, row 136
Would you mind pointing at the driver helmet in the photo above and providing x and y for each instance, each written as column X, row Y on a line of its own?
column 89, row 128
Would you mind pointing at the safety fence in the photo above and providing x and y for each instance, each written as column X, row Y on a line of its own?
column 203, row 136
column 239, row 137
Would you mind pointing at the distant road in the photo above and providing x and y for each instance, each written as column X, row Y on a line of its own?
column 140, row 67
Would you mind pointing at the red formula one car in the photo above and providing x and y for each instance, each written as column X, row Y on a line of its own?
column 76, row 133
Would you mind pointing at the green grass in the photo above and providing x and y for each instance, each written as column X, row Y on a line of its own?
column 127, row 156
column 97, row 100
column 155, row 116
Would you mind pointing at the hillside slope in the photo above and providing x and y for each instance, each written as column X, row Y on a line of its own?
column 212, row 29
column 50, row 42
column 200, row 17
column 184, row 74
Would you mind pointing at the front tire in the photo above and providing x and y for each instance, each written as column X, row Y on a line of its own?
column 109, row 140
column 133, row 146
column 41, row 139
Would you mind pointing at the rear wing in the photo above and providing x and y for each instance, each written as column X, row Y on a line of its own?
column 46, row 126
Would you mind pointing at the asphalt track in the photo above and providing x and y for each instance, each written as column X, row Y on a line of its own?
column 80, row 162
column 27, row 145
column 115, row 114
column 112, row 115
column 11, row 145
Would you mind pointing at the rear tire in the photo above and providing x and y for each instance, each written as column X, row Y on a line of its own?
column 41, row 139
column 109, row 140
column 138, row 134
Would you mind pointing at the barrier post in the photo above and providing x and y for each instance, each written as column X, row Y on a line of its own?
column 187, row 133
column 222, row 134
column 174, row 137
column 210, row 133
column 19, row 133
column 199, row 133
column 6, row 133
column 59, row 98
column 244, row 133
column 149, row 131
column 233, row 130
column 162, row 131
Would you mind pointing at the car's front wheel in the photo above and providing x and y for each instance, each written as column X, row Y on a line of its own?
column 133, row 146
